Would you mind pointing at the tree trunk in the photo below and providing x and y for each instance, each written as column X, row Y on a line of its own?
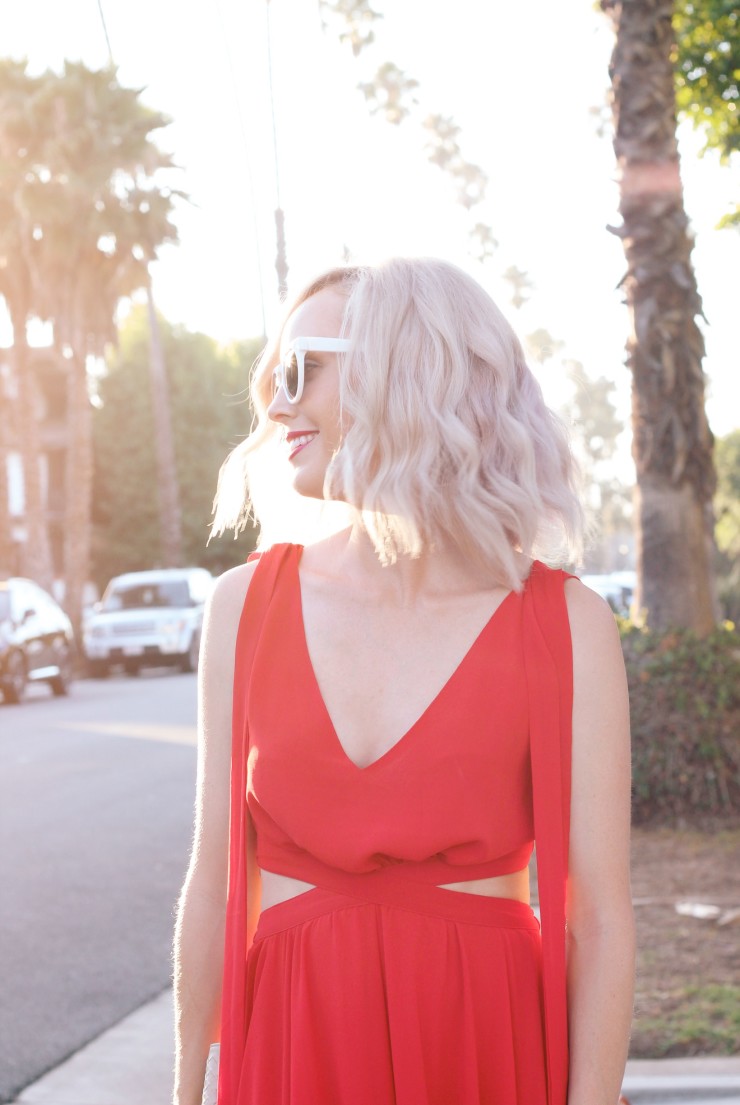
column 672, row 442
column 78, row 488
column 673, row 518
column 7, row 551
column 35, row 552
column 167, row 482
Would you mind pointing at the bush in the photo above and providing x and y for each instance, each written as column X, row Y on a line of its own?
column 685, row 713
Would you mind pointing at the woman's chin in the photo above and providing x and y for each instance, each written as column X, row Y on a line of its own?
column 314, row 489
column 308, row 486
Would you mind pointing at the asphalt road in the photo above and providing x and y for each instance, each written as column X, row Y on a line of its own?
column 96, row 801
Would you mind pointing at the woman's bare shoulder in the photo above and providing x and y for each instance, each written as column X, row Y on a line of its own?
column 593, row 627
column 586, row 606
column 226, row 601
column 234, row 583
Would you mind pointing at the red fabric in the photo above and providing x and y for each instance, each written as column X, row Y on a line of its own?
column 548, row 659
column 233, row 1002
column 389, row 992
column 440, row 991
column 429, row 801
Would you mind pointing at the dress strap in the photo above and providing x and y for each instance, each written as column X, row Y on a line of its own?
column 548, row 663
column 233, row 1002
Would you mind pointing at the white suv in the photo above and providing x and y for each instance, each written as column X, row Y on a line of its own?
column 148, row 618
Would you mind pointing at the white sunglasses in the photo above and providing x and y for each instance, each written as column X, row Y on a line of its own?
column 289, row 374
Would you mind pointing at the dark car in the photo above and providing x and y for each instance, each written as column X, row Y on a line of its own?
column 36, row 640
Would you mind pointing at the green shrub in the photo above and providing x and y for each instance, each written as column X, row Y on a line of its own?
column 685, row 713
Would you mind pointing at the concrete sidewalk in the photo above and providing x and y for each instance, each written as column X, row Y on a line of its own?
column 683, row 1081
column 131, row 1064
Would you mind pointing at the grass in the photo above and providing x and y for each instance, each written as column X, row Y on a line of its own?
column 688, row 970
column 699, row 1020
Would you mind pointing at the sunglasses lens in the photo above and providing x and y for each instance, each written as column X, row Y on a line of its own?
column 291, row 375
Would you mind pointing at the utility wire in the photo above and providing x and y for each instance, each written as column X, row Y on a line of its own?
column 281, row 260
column 105, row 32
column 272, row 107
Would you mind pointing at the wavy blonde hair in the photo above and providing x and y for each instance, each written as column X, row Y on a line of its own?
column 447, row 434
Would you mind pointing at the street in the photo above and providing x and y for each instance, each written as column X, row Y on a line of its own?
column 96, row 801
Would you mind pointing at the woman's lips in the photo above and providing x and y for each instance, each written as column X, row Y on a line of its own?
column 299, row 447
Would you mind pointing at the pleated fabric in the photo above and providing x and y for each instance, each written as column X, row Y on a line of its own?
column 380, row 985
column 435, row 1001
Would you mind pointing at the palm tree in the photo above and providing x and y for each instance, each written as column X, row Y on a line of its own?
column 18, row 149
column 109, row 219
column 96, row 217
column 672, row 442
column 7, row 553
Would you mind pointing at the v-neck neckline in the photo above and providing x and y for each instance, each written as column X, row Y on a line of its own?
column 403, row 739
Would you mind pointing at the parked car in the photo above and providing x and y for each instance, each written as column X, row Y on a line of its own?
column 148, row 619
column 36, row 640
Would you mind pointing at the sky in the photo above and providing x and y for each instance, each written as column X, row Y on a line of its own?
column 521, row 81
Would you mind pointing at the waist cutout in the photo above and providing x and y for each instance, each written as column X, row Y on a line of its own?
column 434, row 871
column 388, row 886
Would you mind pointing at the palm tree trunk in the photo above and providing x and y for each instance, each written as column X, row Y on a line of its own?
column 7, row 552
column 167, row 482
column 78, row 488
column 35, row 553
column 672, row 442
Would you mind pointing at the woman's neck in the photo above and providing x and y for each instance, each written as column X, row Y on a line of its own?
column 440, row 572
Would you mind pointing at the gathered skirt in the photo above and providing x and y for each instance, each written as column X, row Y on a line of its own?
column 383, row 991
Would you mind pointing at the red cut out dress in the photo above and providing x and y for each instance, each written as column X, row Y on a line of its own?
column 379, row 987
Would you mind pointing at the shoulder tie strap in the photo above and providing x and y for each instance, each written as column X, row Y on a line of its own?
column 233, row 1002
column 549, row 671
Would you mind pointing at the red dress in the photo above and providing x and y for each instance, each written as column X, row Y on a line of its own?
column 379, row 987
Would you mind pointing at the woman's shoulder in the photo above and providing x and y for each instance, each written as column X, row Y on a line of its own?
column 583, row 602
column 226, row 602
column 590, row 616
column 230, row 590
column 233, row 583
column 578, row 596
column 593, row 626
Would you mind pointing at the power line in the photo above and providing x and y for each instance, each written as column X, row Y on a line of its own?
column 272, row 107
column 281, row 260
column 105, row 32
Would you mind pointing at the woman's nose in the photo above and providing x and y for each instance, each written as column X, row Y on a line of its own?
column 279, row 409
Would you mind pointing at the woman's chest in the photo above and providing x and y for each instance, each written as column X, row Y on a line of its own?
column 378, row 673
column 459, row 773
column 361, row 691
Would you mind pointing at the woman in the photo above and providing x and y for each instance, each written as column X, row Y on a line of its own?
column 402, row 713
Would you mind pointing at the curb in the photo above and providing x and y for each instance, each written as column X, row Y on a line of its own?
column 129, row 1064
column 683, row 1081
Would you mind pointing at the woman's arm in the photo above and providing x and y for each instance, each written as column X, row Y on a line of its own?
column 600, row 935
column 199, row 931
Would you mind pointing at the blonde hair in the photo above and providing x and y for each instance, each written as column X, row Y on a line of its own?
column 447, row 434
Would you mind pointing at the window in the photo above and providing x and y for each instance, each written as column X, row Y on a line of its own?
column 148, row 596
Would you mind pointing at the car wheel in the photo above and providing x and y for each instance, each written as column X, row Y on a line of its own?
column 60, row 683
column 14, row 683
column 132, row 667
column 99, row 669
column 189, row 660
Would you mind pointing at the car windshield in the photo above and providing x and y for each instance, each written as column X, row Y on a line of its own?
column 146, row 596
